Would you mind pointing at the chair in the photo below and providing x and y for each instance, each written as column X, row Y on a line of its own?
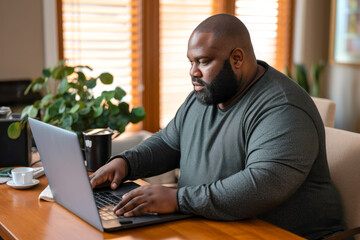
column 343, row 153
column 128, row 140
column 326, row 109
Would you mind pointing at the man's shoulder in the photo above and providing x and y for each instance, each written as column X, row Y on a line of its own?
column 275, row 87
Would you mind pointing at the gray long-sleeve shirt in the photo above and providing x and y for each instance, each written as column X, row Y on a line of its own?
column 263, row 156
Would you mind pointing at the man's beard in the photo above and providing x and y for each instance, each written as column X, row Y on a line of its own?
column 221, row 89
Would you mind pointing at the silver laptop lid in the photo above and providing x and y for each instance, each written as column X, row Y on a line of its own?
column 64, row 167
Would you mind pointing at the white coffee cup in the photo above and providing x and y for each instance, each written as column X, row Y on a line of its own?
column 22, row 176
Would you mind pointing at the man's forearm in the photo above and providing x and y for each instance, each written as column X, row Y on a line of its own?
column 150, row 158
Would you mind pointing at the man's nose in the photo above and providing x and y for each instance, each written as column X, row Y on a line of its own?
column 195, row 71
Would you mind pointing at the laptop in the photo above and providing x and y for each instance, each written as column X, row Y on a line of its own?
column 68, row 179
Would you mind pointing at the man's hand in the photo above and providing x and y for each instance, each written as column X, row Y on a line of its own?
column 113, row 172
column 148, row 199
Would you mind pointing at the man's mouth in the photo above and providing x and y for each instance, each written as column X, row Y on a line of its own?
column 198, row 86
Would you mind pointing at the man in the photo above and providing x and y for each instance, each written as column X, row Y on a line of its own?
column 248, row 140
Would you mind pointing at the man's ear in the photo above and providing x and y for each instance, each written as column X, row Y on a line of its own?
column 237, row 57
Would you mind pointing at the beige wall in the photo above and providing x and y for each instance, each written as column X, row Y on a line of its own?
column 311, row 34
column 344, row 88
column 340, row 83
column 21, row 39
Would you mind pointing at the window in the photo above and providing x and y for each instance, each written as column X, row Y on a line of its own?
column 269, row 23
column 178, row 18
column 103, row 34
column 144, row 43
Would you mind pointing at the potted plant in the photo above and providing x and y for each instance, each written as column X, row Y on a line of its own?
column 301, row 77
column 73, row 105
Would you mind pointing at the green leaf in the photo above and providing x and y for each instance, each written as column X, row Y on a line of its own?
column 58, row 73
column 30, row 110
column 53, row 111
column 69, row 97
column 108, row 95
column 46, row 72
column 74, row 108
column 84, row 111
column 62, row 108
column 119, row 122
column 69, row 70
column 91, row 83
column 29, row 88
column 37, row 87
column 316, row 71
column 56, row 108
column 301, row 77
column 73, row 85
column 124, row 108
column 113, row 109
column 102, row 122
column 33, row 111
column 119, row 93
column 59, row 102
column 98, row 101
column 25, row 111
column 67, row 122
column 98, row 111
column 81, row 77
column 45, row 100
column 36, row 103
column 137, row 114
column 82, row 66
column 14, row 130
column 39, row 84
column 47, row 116
column 75, row 117
column 106, row 78
column 39, row 80
column 64, row 86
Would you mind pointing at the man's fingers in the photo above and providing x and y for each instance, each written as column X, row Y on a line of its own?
column 111, row 173
column 116, row 181
column 123, row 202
column 98, row 178
column 95, row 180
column 137, row 211
column 129, row 202
column 147, row 199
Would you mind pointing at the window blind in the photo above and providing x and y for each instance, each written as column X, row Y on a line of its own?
column 103, row 34
column 178, row 18
column 269, row 24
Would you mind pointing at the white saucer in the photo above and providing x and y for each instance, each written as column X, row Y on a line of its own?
column 12, row 184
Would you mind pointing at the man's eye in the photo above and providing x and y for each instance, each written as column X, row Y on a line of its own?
column 204, row 62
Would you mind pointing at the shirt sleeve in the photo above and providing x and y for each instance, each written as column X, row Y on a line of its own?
column 281, row 147
column 153, row 157
column 158, row 154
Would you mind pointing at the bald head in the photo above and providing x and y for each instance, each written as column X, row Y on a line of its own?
column 222, row 56
column 228, row 32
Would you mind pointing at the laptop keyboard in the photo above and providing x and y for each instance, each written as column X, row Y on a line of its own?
column 105, row 202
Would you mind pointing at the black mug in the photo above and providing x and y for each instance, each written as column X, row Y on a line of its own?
column 97, row 144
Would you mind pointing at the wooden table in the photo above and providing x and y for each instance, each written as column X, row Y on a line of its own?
column 23, row 216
